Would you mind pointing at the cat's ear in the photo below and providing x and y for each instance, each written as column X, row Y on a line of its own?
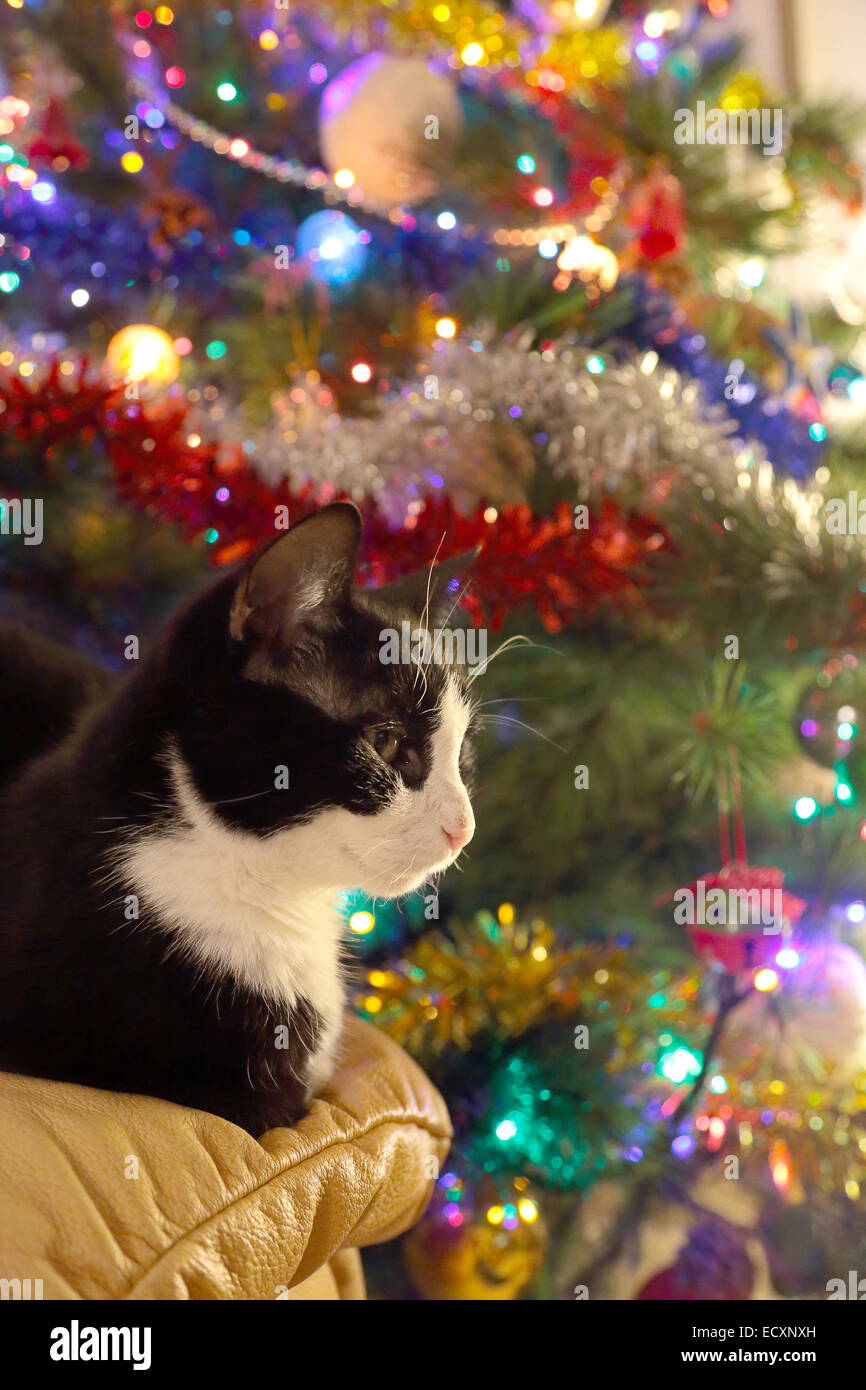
column 431, row 593
column 299, row 577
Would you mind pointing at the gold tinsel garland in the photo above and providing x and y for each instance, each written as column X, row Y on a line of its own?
column 499, row 976
column 475, row 32
column 577, row 61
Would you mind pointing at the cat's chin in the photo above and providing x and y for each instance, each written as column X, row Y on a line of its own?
column 384, row 885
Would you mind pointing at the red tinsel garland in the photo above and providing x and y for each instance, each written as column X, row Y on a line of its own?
column 525, row 558
column 212, row 492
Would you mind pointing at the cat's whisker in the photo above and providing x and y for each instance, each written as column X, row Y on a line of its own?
column 519, row 639
column 506, row 719
column 511, row 700
column 233, row 800
column 426, row 612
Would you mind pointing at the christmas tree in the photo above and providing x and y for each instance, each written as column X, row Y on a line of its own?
column 565, row 280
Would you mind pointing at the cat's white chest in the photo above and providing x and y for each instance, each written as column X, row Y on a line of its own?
column 239, row 907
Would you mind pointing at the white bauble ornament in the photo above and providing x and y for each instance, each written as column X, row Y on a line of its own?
column 391, row 122
column 813, row 1025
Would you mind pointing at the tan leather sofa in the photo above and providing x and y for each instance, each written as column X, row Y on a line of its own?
column 106, row 1196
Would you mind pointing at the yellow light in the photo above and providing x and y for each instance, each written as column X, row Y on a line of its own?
column 132, row 162
column 528, row 1210
column 766, row 980
column 472, row 54
column 268, row 39
column 15, row 4
column 163, row 14
column 344, row 178
column 495, row 1215
column 585, row 257
column 852, row 1189
column 781, row 1173
column 446, row 328
column 361, row 923
column 362, row 372
column 6, row 358
column 490, row 515
column 27, row 368
column 441, row 13
column 539, row 953
column 372, row 1005
column 142, row 352
column 505, row 913
column 586, row 9
column 275, row 101
column 601, row 977
column 655, row 24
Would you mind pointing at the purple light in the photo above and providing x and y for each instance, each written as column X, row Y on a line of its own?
column 339, row 92
column 222, row 494
column 318, row 73
column 808, row 728
column 856, row 912
column 515, row 412
column 683, row 1146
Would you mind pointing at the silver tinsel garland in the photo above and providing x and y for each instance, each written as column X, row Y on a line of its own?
column 478, row 408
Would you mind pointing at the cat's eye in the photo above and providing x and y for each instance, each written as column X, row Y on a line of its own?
column 385, row 741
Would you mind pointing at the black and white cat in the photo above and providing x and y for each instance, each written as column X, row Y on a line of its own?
column 167, row 903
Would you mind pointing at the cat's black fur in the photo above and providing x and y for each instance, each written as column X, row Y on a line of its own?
column 43, row 687
column 90, row 997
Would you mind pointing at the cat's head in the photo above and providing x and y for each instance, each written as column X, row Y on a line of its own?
column 296, row 725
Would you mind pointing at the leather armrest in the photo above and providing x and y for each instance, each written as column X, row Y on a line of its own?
column 105, row 1195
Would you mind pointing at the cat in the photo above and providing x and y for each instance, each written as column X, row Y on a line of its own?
column 169, row 870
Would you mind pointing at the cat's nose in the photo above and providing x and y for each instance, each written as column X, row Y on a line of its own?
column 460, row 835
